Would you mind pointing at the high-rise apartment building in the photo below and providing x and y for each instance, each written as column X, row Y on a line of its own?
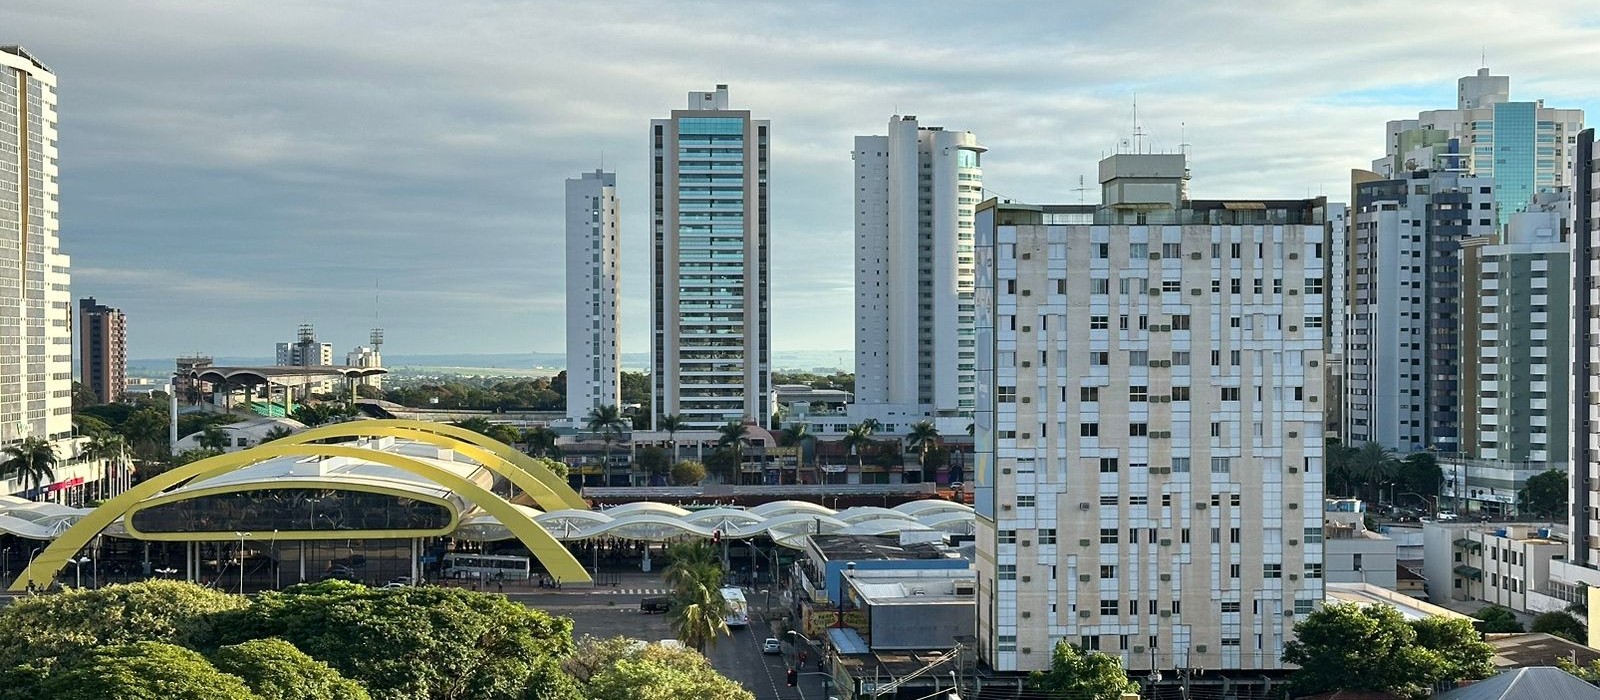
column 1149, row 427
column 1521, row 147
column 35, row 301
column 1404, row 293
column 593, row 347
column 102, row 350
column 916, row 189
column 710, row 321
column 1514, row 336
column 1584, row 407
column 367, row 356
column 306, row 351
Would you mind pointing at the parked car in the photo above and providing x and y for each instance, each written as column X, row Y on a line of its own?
column 771, row 646
column 654, row 605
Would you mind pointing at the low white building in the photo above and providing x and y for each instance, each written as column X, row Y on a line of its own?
column 1350, row 552
column 1505, row 565
column 242, row 435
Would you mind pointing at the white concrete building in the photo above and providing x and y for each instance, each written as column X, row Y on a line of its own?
column 915, row 354
column 1522, row 147
column 594, row 374
column 1404, row 291
column 1350, row 552
column 307, row 351
column 35, row 302
column 1149, row 427
column 710, row 327
column 1507, row 565
column 366, row 356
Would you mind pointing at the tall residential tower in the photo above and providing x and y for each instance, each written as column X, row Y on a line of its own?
column 35, row 302
column 102, row 350
column 1149, row 429
column 710, row 303
column 593, row 348
column 916, row 189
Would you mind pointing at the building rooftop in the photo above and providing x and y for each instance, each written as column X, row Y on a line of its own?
column 955, row 586
column 1537, row 683
column 873, row 548
column 1537, row 649
column 1368, row 594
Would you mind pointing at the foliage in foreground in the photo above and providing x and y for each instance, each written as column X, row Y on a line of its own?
column 1077, row 673
column 170, row 640
column 1373, row 647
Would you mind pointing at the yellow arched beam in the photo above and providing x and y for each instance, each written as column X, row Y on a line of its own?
column 528, row 482
column 556, row 484
column 44, row 568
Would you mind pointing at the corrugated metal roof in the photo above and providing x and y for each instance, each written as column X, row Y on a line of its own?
column 1536, row 683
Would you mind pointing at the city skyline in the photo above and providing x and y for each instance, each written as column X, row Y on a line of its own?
column 230, row 183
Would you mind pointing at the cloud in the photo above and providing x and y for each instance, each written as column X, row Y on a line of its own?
column 231, row 169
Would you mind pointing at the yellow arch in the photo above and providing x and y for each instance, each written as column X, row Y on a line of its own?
column 555, row 484
column 523, row 478
column 556, row 559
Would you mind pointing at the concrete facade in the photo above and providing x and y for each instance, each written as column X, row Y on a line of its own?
column 102, row 350
column 711, row 326
column 594, row 346
column 35, row 297
column 1150, row 423
column 1584, row 414
column 915, row 189
column 1350, row 552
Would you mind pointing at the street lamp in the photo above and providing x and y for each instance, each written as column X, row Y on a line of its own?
column 31, row 557
column 241, row 535
column 77, row 568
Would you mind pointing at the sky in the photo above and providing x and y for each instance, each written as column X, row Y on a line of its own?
column 232, row 169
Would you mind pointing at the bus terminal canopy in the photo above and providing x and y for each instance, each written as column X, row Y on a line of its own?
column 282, row 375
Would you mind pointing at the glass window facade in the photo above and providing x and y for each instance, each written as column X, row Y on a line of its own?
column 1514, row 164
column 291, row 510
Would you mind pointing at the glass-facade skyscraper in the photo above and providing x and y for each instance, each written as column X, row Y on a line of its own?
column 710, row 299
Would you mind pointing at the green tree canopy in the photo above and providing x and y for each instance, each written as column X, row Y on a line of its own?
column 624, row 669
column 49, row 630
column 144, row 671
column 688, row 473
column 416, row 643
column 31, row 461
column 1545, row 494
column 1497, row 619
column 1372, row 647
column 652, row 460
column 724, row 462
column 1076, row 674
column 1561, row 625
column 276, row 670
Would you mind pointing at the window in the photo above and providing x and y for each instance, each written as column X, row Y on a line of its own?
column 1102, row 250
column 1314, row 570
column 1230, row 641
column 1099, row 323
column 1230, row 393
column 1108, row 465
column 1088, row 430
column 1180, row 358
column 1089, row 393
column 1138, row 393
column 1272, row 571
column 1171, row 285
column 1099, row 359
column 1171, row 250
column 1099, row 286
column 1138, row 251
column 1304, row 607
column 1180, row 393
column 1230, row 606
column 1233, row 535
column 1216, row 430
column 1180, row 323
column 1006, row 572
column 1006, row 642
column 1008, row 537
column 1138, row 429
column 1313, row 535
column 1313, row 285
column 1138, row 358
column 1047, row 536
column 1108, row 535
column 1180, row 465
column 1109, row 607
column 1108, row 500
column 1233, row 571
column 1025, row 501
column 1221, row 465
column 1108, row 571
column 1006, row 394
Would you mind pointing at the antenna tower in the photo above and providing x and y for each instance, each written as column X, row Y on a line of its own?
column 1138, row 131
column 1080, row 189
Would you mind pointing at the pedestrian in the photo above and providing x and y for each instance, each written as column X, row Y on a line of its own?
column 500, row 585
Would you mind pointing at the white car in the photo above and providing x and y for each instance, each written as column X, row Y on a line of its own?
column 772, row 646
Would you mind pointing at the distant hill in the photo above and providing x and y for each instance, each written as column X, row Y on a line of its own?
column 793, row 360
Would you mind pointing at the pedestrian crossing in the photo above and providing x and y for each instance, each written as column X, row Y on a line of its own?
column 631, row 591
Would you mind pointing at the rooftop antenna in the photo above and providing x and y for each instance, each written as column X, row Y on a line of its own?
column 1080, row 189
column 1183, row 138
column 1138, row 132
column 376, row 337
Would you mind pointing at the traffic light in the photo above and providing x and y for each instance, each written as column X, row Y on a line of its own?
column 792, row 676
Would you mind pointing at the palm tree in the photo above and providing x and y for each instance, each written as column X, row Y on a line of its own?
column 1372, row 465
column 608, row 423
column 213, row 438
column 278, row 432
column 31, row 461
column 113, row 450
column 856, row 439
column 798, row 435
column 699, row 617
column 692, row 563
column 672, row 424
column 541, row 442
column 923, row 437
column 732, row 434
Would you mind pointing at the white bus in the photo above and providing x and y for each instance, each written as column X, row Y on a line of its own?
column 487, row 566
column 738, row 610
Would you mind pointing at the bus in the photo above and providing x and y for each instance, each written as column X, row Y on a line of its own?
column 738, row 610
column 487, row 566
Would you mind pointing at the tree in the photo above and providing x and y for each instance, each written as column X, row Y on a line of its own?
column 1076, row 674
column 732, row 434
column 276, row 670
column 1372, row 466
column 84, row 397
column 1561, row 625
column 1419, row 473
column 213, row 438
column 541, row 442
column 688, row 473
column 1498, row 619
column 109, row 448
column 1339, row 457
column 608, row 423
column 45, row 631
column 1372, row 647
column 699, row 616
column 556, row 467
column 278, row 432
column 653, row 461
column 634, row 388
column 923, row 437
column 672, row 424
column 1544, row 494
column 145, row 671
column 416, row 643
column 31, row 461
column 146, row 431
column 90, row 425
column 725, row 463
column 623, row 669
column 856, row 439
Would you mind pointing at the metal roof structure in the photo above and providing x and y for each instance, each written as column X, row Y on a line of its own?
column 291, row 375
column 1536, row 683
